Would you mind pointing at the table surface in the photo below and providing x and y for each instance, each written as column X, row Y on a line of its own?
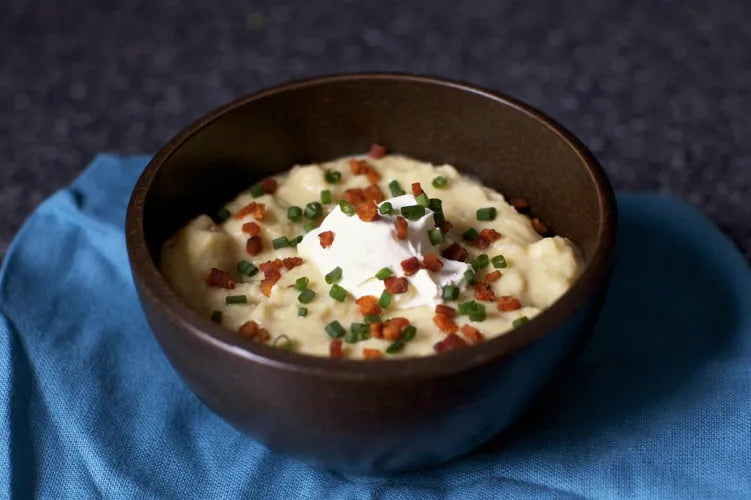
column 660, row 91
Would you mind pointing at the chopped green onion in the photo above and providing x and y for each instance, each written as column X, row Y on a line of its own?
column 302, row 312
column 395, row 347
column 383, row 273
column 470, row 234
column 413, row 212
column 469, row 276
column 519, row 321
column 436, row 205
column 236, row 299
column 372, row 318
column 295, row 241
column 395, row 188
column 422, row 199
column 480, row 262
column 359, row 328
column 468, row 306
column 438, row 219
column 280, row 242
column 282, row 342
column 338, row 293
column 334, row 329
column 302, row 283
column 436, row 236
column 309, row 226
column 332, row 176
column 256, row 190
column 487, row 213
column 325, row 196
column 386, row 208
column 351, row 337
column 334, row 276
column 246, row 268
column 440, row 182
column 450, row 292
column 216, row 316
column 409, row 333
column 499, row 261
column 478, row 314
column 294, row 213
column 347, row 208
column 385, row 299
column 313, row 210
column 223, row 214
column 306, row 296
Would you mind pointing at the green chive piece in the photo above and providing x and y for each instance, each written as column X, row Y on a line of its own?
column 466, row 307
column 395, row 347
column 365, row 335
column 302, row 312
column 395, row 188
column 235, row 299
column 519, row 321
column 438, row 219
column 325, row 196
column 282, row 342
column 499, row 261
column 302, row 283
column 246, row 268
column 422, row 199
column 470, row 234
column 469, row 276
column 386, row 208
column 313, row 210
column 295, row 241
column 359, row 328
column 450, row 292
column 478, row 314
column 409, row 333
column 280, row 242
column 337, row 293
column 294, row 213
column 487, row 213
column 480, row 262
column 351, row 337
column 372, row 318
column 385, row 299
column 384, row 273
column 306, row 296
column 440, row 182
column 334, row 276
column 413, row 212
column 223, row 214
column 309, row 226
column 332, row 176
column 216, row 316
column 436, row 205
column 436, row 236
column 334, row 329
column 347, row 208
column 256, row 190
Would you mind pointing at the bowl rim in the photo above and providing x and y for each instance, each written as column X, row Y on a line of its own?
column 154, row 287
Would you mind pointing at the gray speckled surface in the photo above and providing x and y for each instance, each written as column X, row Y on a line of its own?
column 660, row 91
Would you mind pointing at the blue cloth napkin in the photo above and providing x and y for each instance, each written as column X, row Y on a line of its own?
column 658, row 405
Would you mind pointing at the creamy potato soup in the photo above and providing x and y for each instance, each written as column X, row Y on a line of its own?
column 370, row 257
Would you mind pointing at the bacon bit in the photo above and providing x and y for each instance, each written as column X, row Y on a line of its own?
column 268, row 283
column 268, row 185
column 410, row 266
column 491, row 277
column 455, row 252
column 355, row 166
column 251, row 228
column 292, row 262
column 220, row 279
column 271, row 265
column 249, row 329
column 509, row 303
column 538, row 226
column 392, row 329
column 396, row 285
column 335, row 348
column 373, row 176
column 368, row 305
column 520, row 204
column 254, row 245
column 355, row 196
column 368, row 353
column 246, row 210
column 373, row 193
column 490, row 235
column 431, row 262
column 444, row 309
column 417, row 189
column 446, row 226
column 362, row 167
column 481, row 243
column 472, row 334
column 376, row 330
column 484, row 292
column 445, row 323
column 401, row 227
column 367, row 211
column 260, row 211
column 263, row 335
column 451, row 342
column 326, row 238
column 376, row 151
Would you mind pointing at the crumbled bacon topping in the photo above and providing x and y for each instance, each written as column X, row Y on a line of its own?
column 376, row 330
column 355, row 196
column 369, row 353
column 491, row 277
column 446, row 226
column 472, row 334
column 271, row 265
column 392, row 328
column 444, row 309
column 254, row 245
column 481, row 243
column 220, row 279
column 396, row 285
column 490, row 235
column 257, row 210
column 445, row 323
column 508, row 303
column 367, row 211
column 483, row 291
column 410, row 266
column 292, row 262
column 326, row 238
column 267, row 284
column 455, row 252
column 362, row 167
column 368, row 305
column 401, row 227
column 335, row 348
column 417, row 189
column 431, row 262
column 373, row 193
column 250, row 330
column 451, row 342
column 376, row 151
column 251, row 228
column 520, row 204
column 538, row 226
column 268, row 185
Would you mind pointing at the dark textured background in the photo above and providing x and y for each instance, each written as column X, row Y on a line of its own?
column 658, row 90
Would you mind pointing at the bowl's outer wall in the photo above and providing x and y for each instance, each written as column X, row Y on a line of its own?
column 354, row 424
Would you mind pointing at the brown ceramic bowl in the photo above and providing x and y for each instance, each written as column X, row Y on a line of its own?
column 372, row 416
